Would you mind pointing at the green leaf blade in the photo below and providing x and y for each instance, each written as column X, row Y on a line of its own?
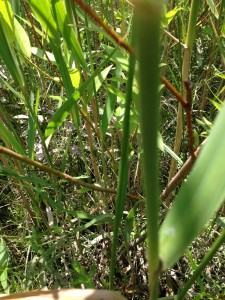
column 58, row 118
column 199, row 198
column 4, row 260
column 213, row 8
column 68, row 33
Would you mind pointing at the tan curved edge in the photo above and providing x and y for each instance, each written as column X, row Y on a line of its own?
column 66, row 294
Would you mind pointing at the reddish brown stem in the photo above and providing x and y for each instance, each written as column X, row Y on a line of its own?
column 181, row 174
column 117, row 38
column 188, row 109
column 174, row 91
column 120, row 41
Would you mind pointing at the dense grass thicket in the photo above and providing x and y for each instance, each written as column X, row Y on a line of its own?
column 112, row 170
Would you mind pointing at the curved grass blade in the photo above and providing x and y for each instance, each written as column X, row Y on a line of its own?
column 62, row 113
column 9, row 57
column 68, row 33
column 60, row 116
column 8, row 137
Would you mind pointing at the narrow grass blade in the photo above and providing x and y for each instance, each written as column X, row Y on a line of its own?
column 213, row 7
column 43, row 13
column 123, row 170
column 199, row 198
column 66, row 107
column 9, row 138
column 59, row 117
column 32, row 124
column 173, row 155
column 9, row 57
column 98, row 81
column 68, row 32
column 203, row 264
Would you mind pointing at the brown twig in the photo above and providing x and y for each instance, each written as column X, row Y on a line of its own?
column 120, row 41
column 181, row 174
column 116, row 37
column 62, row 175
column 174, row 91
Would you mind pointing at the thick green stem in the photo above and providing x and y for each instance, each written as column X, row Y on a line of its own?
column 148, row 34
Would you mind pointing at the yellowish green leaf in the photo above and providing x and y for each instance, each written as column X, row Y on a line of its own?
column 75, row 77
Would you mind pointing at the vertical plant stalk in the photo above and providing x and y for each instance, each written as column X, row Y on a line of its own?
column 188, row 109
column 94, row 103
column 123, row 168
column 148, row 33
column 205, row 261
column 92, row 152
column 185, row 77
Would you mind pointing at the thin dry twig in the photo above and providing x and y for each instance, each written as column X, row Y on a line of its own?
column 181, row 174
column 62, row 175
column 116, row 37
column 120, row 41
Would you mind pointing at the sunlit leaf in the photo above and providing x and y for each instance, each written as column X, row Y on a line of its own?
column 43, row 54
column 168, row 17
column 58, row 118
column 67, row 31
column 213, row 8
column 22, row 39
column 7, row 20
column 4, row 259
column 75, row 77
column 8, row 55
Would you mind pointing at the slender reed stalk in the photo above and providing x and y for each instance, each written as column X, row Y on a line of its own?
column 195, row 4
column 123, row 169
